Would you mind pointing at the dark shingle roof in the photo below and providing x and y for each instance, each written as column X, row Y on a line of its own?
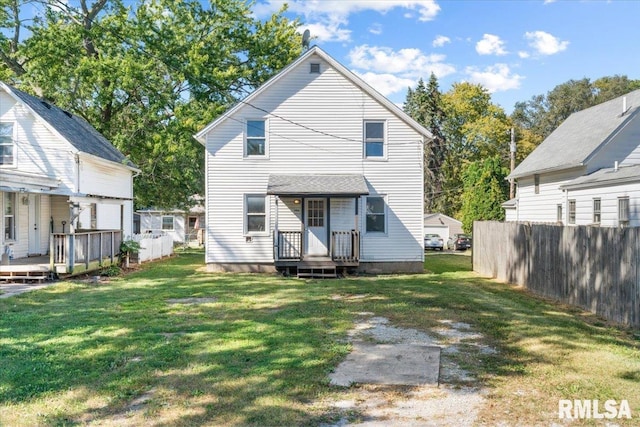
column 316, row 185
column 74, row 129
column 580, row 136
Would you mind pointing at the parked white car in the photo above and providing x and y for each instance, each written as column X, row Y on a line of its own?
column 433, row 241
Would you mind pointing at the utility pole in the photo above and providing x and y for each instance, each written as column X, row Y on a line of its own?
column 512, row 156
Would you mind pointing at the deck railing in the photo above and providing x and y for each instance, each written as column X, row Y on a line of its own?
column 345, row 246
column 84, row 249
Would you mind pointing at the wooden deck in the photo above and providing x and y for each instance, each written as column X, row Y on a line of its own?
column 26, row 269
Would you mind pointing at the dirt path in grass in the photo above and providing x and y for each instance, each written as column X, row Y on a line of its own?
column 455, row 401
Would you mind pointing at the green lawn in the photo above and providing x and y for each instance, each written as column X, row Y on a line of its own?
column 258, row 351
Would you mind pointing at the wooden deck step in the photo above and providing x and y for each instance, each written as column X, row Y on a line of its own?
column 23, row 276
column 320, row 272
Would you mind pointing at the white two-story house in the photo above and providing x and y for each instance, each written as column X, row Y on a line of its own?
column 315, row 171
column 587, row 172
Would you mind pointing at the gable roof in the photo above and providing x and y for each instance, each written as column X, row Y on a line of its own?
column 439, row 219
column 74, row 129
column 580, row 136
column 315, row 50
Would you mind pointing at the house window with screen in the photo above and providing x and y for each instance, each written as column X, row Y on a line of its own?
column 168, row 223
column 572, row 211
column 256, row 214
column 256, row 139
column 597, row 211
column 375, row 215
column 6, row 144
column 9, row 218
column 374, row 139
column 623, row 211
column 559, row 213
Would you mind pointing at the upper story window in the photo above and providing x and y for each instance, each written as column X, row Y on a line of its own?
column 597, row 211
column 9, row 217
column 374, row 139
column 623, row 211
column 168, row 223
column 256, row 138
column 376, row 215
column 7, row 146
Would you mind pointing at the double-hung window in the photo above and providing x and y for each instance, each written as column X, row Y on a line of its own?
column 255, row 213
column 9, row 217
column 572, row 212
column 168, row 223
column 597, row 211
column 374, row 145
column 623, row 211
column 376, row 215
column 256, row 138
column 7, row 146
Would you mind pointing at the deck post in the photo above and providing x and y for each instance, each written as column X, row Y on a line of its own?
column 71, row 252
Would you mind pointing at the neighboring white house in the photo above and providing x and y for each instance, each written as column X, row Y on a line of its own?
column 184, row 226
column 441, row 224
column 587, row 172
column 59, row 176
column 314, row 168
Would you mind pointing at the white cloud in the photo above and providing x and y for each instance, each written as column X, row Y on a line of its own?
column 496, row 78
column 328, row 33
column 387, row 84
column 440, row 41
column 522, row 54
column 375, row 28
column 545, row 43
column 407, row 62
column 490, row 45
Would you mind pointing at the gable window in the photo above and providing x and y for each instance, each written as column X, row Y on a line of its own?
column 536, row 183
column 6, row 144
column 9, row 217
column 559, row 213
column 314, row 68
column 255, row 214
column 623, row 211
column 256, row 139
column 597, row 211
column 374, row 139
column 375, row 215
column 572, row 212
column 168, row 223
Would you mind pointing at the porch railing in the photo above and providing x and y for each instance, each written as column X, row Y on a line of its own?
column 84, row 249
column 345, row 246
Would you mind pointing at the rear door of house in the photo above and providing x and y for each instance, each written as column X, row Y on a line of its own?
column 316, row 227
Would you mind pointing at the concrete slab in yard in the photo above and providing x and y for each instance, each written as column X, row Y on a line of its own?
column 392, row 364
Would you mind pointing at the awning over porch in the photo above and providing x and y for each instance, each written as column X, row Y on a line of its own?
column 310, row 185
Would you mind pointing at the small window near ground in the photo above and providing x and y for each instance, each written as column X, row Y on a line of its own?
column 375, row 215
column 597, row 211
column 623, row 211
column 256, row 214
column 6, row 144
column 572, row 212
column 373, row 139
column 256, row 140
column 9, row 217
column 559, row 213
column 168, row 223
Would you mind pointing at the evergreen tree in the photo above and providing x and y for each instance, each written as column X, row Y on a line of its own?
column 485, row 189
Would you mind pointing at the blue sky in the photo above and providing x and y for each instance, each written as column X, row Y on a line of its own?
column 514, row 48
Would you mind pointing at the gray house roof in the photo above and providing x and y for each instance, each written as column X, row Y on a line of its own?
column 317, row 185
column 77, row 131
column 608, row 176
column 580, row 136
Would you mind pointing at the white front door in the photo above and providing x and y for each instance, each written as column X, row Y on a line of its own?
column 316, row 227
column 34, row 224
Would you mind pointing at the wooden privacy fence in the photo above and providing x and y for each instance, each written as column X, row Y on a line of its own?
column 596, row 268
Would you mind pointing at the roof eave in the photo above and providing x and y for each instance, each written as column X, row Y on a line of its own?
column 541, row 171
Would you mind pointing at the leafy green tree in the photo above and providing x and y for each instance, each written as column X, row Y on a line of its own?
column 424, row 105
column 485, row 189
column 147, row 76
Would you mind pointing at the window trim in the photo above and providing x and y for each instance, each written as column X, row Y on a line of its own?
column 173, row 222
column 385, row 213
column 559, row 217
column 14, row 146
column 14, row 216
column 623, row 200
column 571, row 211
column 597, row 212
column 314, row 68
column 366, row 140
column 247, row 138
column 246, row 215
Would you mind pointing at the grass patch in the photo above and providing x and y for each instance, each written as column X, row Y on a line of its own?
column 169, row 345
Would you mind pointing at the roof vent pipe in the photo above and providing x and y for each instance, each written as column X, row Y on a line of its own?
column 615, row 166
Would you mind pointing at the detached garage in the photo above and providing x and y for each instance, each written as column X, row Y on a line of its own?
column 441, row 224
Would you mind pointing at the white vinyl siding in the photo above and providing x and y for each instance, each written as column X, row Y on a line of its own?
column 331, row 109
